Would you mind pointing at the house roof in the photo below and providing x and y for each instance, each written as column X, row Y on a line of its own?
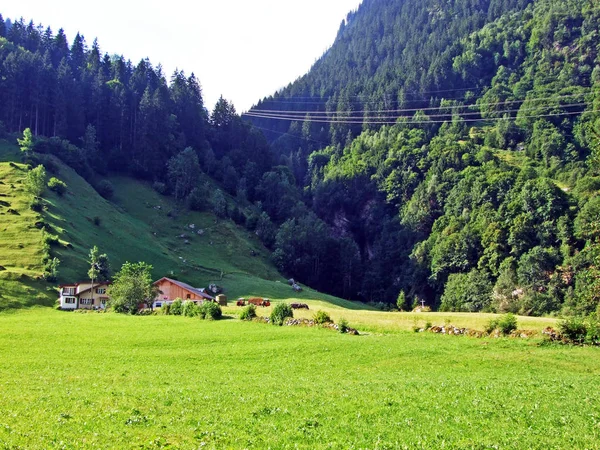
column 181, row 284
column 97, row 283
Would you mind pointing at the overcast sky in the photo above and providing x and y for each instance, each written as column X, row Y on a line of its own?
column 241, row 49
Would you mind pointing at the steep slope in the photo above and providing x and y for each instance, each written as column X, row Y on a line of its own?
column 138, row 224
column 20, row 240
column 463, row 151
column 388, row 55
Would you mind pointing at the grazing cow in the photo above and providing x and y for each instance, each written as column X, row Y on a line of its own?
column 241, row 302
column 299, row 306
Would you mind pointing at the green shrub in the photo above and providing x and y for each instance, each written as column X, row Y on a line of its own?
column 401, row 301
column 491, row 326
column 177, row 307
column 58, row 186
column 36, row 205
column 574, row 329
column 322, row 317
column 593, row 330
column 197, row 199
column 160, row 187
column 343, row 325
column 165, row 310
column 105, row 189
column 507, row 324
column 281, row 312
column 210, row 311
column 190, row 309
column 248, row 313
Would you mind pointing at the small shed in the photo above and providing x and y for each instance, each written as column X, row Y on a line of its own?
column 221, row 299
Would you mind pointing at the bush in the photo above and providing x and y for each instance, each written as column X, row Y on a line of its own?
column 105, row 189
column 37, row 205
column 58, row 186
column 322, row 317
column 281, row 312
column 491, row 326
column 593, row 330
column 177, row 307
column 197, row 199
column 210, row 311
column 574, row 329
column 248, row 313
column 165, row 310
column 505, row 324
column 160, row 187
column 343, row 325
column 190, row 309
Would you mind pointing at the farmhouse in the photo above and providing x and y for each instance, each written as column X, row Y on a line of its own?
column 82, row 296
column 173, row 289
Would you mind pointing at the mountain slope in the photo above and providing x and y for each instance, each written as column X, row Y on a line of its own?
column 388, row 55
column 138, row 224
column 458, row 149
column 20, row 240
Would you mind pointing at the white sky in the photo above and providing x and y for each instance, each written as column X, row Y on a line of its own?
column 241, row 49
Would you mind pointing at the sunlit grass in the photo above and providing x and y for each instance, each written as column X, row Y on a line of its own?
column 109, row 381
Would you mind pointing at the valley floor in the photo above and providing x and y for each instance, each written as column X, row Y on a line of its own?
column 110, row 381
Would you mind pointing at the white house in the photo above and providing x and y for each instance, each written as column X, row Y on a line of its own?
column 81, row 295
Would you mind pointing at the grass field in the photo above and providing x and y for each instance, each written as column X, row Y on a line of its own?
column 108, row 381
column 392, row 322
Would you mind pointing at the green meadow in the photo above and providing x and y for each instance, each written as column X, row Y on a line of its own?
column 109, row 381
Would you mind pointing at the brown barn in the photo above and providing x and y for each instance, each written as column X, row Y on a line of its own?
column 170, row 290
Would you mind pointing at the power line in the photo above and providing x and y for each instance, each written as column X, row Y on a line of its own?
column 410, row 121
column 432, row 108
column 473, row 113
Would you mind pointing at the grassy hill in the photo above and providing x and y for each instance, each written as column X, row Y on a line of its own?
column 20, row 240
column 138, row 224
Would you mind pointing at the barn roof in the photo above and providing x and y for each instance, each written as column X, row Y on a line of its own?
column 187, row 287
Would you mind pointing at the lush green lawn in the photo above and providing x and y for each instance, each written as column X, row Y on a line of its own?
column 102, row 380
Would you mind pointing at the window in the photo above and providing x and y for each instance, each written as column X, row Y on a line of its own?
column 70, row 300
column 85, row 301
column 101, row 291
column 158, row 305
column 69, row 291
column 188, row 296
column 103, row 301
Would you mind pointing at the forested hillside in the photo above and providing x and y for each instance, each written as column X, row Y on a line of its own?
column 443, row 152
column 455, row 144
column 105, row 116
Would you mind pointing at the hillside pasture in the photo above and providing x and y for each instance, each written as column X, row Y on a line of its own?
column 136, row 224
column 103, row 380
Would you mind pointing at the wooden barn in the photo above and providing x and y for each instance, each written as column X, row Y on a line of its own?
column 170, row 290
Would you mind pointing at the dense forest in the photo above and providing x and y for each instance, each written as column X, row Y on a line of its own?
column 455, row 144
column 439, row 151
